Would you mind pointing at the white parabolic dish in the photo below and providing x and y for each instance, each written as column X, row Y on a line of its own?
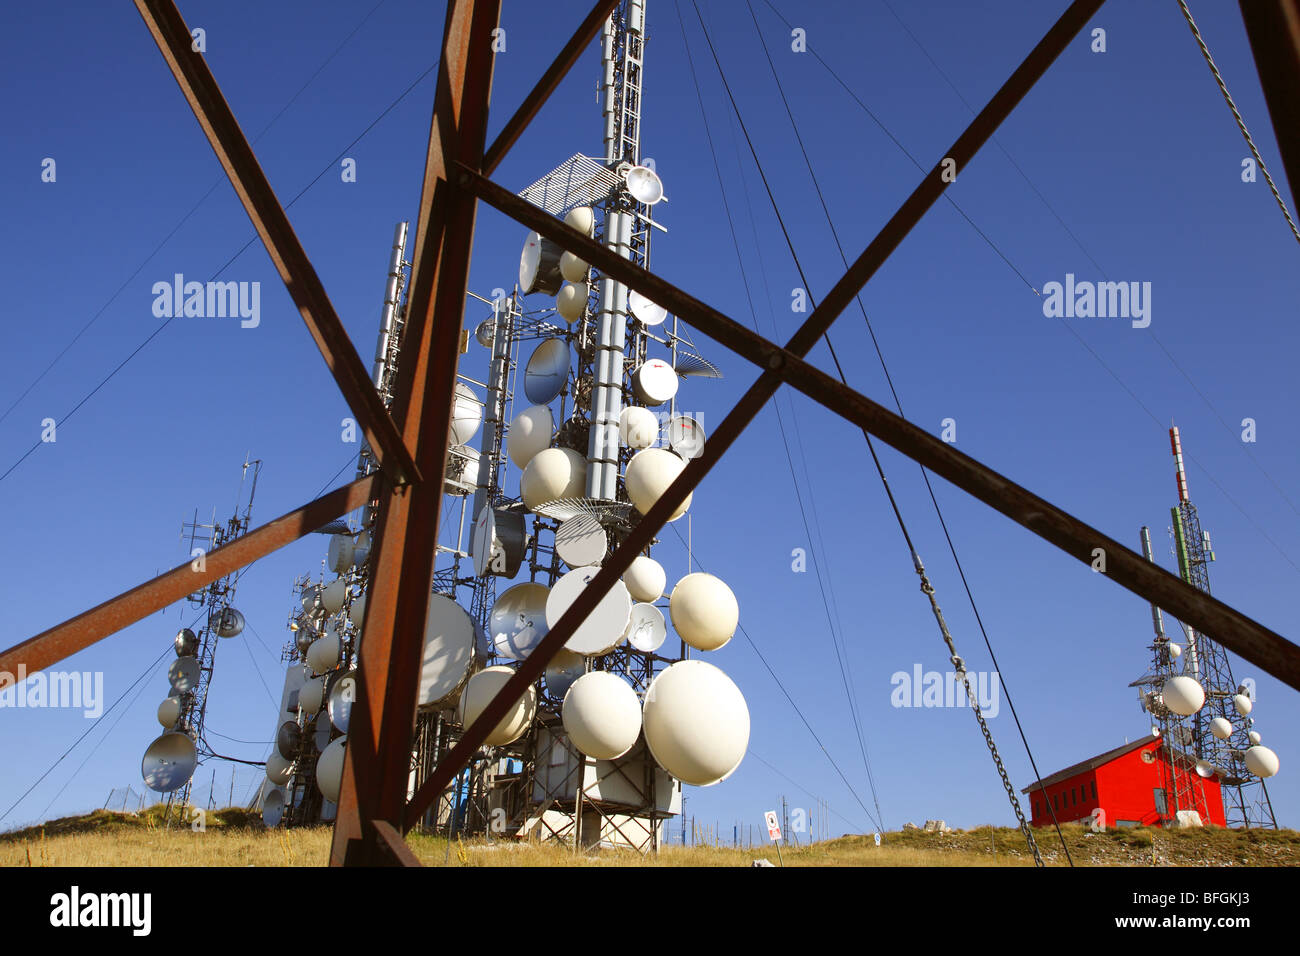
column 696, row 722
column 646, row 630
column 517, row 622
column 448, row 649
column 183, row 674
column 604, row 626
column 169, row 762
column 478, row 693
column 329, row 770
column 547, row 371
column 602, row 715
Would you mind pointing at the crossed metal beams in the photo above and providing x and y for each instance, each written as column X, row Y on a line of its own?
column 373, row 803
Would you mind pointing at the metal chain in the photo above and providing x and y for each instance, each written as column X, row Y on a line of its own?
column 1241, row 123
column 928, row 590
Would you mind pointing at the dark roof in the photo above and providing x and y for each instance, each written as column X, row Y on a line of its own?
column 1090, row 764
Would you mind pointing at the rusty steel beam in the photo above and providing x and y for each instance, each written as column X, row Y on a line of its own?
column 726, row 331
column 1273, row 27
column 78, row 633
column 1238, row 633
column 390, row 841
column 547, row 85
column 377, row 763
column 268, row 217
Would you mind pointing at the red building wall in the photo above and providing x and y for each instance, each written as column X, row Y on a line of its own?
column 1125, row 789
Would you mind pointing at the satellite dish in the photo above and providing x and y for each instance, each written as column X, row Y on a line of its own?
column 184, row 674
column 1243, row 704
column 547, row 371
column 321, row 732
column 303, row 638
column 310, row 599
column 565, row 668
column 312, row 695
column 704, row 611
column 342, row 696
column 602, row 715
column 603, row 628
column 480, row 690
column 357, row 610
column 539, row 265
column 329, row 770
column 448, row 650
column 169, row 762
column 552, row 474
column 686, row 436
column 648, row 476
column 645, row 578
column 645, row 185
column 649, row 313
column 485, row 333
column 646, row 630
column 229, row 623
column 530, row 433
column 339, row 557
column 638, row 427
column 273, row 808
column 333, row 595
column 323, row 655
column 278, row 769
column 288, row 740
column 1204, row 769
column 462, row 470
column 1183, row 695
column 582, row 219
column 581, row 541
column 1261, row 761
column 186, row 643
column 169, row 711
column 571, row 301
column 1221, row 727
column 654, row 382
column 466, row 414
column 500, row 538
column 683, row 699
column 517, row 622
column 572, row 268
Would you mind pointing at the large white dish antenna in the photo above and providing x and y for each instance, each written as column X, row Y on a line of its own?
column 186, row 643
column 273, row 808
column 466, row 414
column 321, row 732
column 704, row 611
column 339, row 557
column 288, row 740
column 323, row 655
column 603, row 628
column 547, row 371
column 583, row 219
column 686, row 436
column 357, row 610
column 1261, row 761
column 530, row 433
column 311, row 695
column 169, row 762
column 1243, row 704
column 169, row 711
column 462, row 469
column 581, row 541
column 539, row 265
column 1183, row 695
column 649, row 313
column 571, row 301
column 329, row 770
column 517, row 622
column 648, row 476
column 654, row 382
column 342, row 696
column 565, row 668
column 572, row 268
column 278, row 769
column 1221, row 727
column 552, row 474
column 478, row 693
column 696, row 722
column 645, row 578
column 645, row 185
column 638, row 427
column 448, row 650
column 229, row 623
column 498, row 543
column 183, row 674
column 602, row 715
column 646, row 630
column 333, row 595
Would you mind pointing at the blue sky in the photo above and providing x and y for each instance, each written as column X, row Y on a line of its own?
column 1133, row 148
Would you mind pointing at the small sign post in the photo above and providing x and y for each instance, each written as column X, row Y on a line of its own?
column 774, row 831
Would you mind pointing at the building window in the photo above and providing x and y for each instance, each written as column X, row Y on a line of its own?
column 1055, row 804
column 1094, row 790
column 1074, row 797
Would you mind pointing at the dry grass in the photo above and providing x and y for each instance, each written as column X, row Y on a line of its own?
column 234, row 837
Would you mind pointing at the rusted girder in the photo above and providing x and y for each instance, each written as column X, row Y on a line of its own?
column 377, row 765
column 777, row 362
column 1273, row 27
column 268, row 217
column 80, row 632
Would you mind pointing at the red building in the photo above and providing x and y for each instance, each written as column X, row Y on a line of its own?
column 1128, row 784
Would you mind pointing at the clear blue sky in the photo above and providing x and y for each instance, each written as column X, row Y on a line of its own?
column 1133, row 148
